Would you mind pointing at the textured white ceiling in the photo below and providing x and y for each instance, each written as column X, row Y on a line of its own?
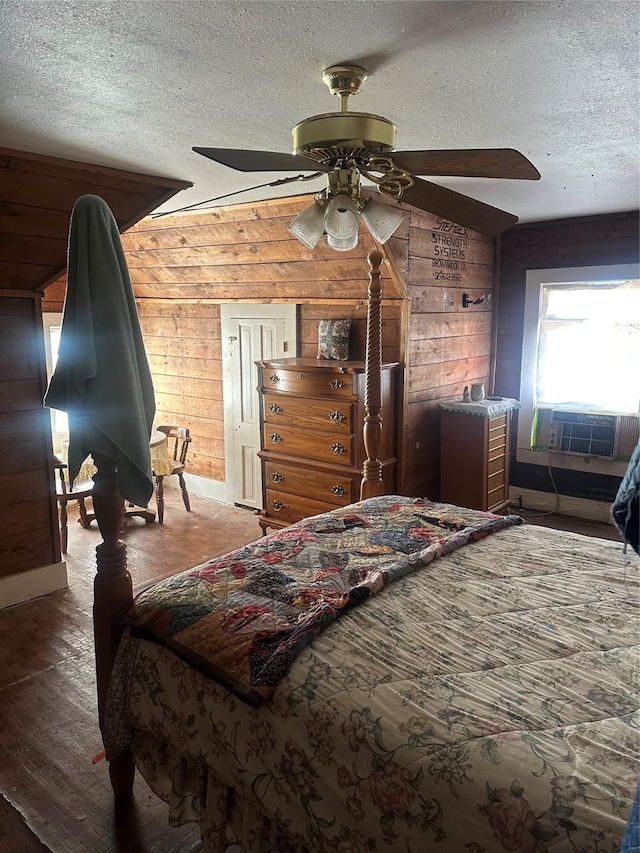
column 135, row 84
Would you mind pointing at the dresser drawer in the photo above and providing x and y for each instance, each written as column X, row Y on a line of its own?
column 496, row 495
column 322, row 414
column 323, row 447
column 286, row 509
column 334, row 487
column 497, row 463
column 308, row 383
column 497, row 445
column 495, row 481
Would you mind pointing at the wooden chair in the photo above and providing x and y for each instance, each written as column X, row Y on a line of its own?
column 64, row 495
column 180, row 438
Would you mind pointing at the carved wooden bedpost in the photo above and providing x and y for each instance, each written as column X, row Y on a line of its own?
column 372, row 484
column 113, row 596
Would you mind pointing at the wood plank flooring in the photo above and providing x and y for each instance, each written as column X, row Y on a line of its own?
column 55, row 797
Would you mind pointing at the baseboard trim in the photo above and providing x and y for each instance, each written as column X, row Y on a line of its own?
column 566, row 505
column 215, row 490
column 23, row 586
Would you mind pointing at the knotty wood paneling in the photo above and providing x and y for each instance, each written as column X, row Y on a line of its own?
column 37, row 194
column 448, row 346
column 182, row 340
column 576, row 242
column 26, row 474
column 310, row 316
column 53, row 296
column 184, row 266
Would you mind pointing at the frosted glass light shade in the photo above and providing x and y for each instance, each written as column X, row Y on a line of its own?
column 341, row 219
column 381, row 220
column 343, row 244
column 308, row 226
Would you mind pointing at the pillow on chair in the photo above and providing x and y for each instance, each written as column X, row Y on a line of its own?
column 333, row 339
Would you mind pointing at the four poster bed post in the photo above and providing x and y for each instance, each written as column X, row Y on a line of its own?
column 372, row 484
column 112, row 598
column 113, row 591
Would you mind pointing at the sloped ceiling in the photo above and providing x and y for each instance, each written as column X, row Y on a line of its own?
column 37, row 194
column 134, row 84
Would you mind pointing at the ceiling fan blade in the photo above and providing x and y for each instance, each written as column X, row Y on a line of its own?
column 470, row 163
column 261, row 161
column 458, row 208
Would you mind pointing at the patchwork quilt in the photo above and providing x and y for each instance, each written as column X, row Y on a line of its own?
column 244, row 617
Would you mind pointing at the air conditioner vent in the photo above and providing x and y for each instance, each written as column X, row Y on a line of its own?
column 582, row 433
column 585, row 433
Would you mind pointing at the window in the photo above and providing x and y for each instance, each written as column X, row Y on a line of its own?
column 52, row 327
column 581, row 350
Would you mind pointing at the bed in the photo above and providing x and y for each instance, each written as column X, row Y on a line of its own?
column 484, row 699
column 404, row 675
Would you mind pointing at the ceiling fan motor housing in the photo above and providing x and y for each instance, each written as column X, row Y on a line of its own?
column 338, row 136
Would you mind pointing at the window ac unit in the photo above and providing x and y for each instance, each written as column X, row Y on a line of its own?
column 586, row 434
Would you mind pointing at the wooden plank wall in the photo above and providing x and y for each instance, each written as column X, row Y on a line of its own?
column 449, row 346
column 28, row 517
column 576, row 242
column 37, row 194
column 183, row 267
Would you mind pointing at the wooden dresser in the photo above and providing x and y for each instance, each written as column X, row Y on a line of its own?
column 312, row 415
column 474, row 459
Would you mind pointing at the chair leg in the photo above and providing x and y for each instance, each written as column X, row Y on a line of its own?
column 185, row 493
column 84, row 521
column 64, row 530
column 160, row 497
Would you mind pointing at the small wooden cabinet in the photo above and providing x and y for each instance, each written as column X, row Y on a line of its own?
column 312, row 451
column 474, row 459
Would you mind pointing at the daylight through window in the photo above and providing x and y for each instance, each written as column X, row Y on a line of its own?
column 588, row 342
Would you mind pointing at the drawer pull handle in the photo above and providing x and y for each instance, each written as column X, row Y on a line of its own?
column 336, row 383
column 337, row 417
column 276, row 477
column 277, row 505
column 301, row 376
column 274, row 378
column 275, row 409
column 338, row 449
column 337, row 490
column 275, row 438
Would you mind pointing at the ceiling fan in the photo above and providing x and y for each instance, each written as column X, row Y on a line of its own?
column 346, row 146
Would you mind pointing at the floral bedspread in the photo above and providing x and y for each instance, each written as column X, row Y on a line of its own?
column 244, row 617
column 486, row 702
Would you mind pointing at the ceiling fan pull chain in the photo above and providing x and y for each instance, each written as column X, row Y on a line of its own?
column 394, row 180
column 311, row 177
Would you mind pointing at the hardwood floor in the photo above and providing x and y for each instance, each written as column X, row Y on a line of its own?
column 569, row 522
column 55, row 797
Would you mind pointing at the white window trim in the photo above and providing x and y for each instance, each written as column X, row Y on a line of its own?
column 49, row 319
column 532, row 306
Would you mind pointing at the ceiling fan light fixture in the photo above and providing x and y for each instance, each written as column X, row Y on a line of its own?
column 308, row 226
column 341, row 219
column 381, row 219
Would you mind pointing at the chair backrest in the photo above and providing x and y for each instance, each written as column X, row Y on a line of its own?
column 61, row 485
column 65, row 491
column 181, row 440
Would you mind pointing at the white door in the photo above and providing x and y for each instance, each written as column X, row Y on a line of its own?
column 250, row 333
